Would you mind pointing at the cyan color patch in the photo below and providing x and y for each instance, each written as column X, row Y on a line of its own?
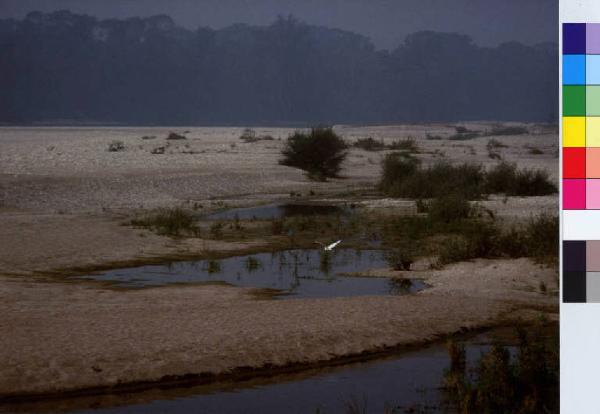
column 574, row 69
column 592, row 71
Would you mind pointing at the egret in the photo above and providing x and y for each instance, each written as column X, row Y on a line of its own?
column 329, row 247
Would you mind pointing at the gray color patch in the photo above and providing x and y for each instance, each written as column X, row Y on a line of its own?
column 592, row 287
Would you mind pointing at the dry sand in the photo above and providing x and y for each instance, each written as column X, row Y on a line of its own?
column 63, row 197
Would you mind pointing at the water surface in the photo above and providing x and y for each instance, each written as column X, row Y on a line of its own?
column 294, row 273
column 409, row 380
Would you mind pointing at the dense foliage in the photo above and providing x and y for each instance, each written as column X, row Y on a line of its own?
column 319, row 152
column 403, row 176
column 64, row 67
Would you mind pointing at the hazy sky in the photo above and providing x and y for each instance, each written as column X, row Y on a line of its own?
column 386, row 22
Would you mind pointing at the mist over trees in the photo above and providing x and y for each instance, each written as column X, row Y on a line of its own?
column 64, row 67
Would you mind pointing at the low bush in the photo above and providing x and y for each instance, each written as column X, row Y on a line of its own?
column 175, row 136
column 116, row 146
column 249, row 135
column 508, row 179
column 534, row 151
column 526, row 384
column 494, row 143
column 252, row 264
column 538, row 239
column 403, row 176
column 369, row 144
column 433, row 137
column 216, row 229
column 408, row 144
column 464, row 136
column 320, row 152
column 449, row 208
column 508, row 130
column 169, row 222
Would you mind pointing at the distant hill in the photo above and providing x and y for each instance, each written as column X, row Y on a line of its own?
column 64, row 66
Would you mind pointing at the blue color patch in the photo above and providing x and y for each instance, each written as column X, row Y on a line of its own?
column 574, row 38
column 574, row 69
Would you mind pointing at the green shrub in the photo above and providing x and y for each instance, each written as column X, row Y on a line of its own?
column 464, row 136
column 116, row 146
column 397, row 168
column 538, row 239
column 320, row 152
column 402, row 176
column 433, row 137
column 213, row 266
column 170, row 222
column 252, row 264
column 534, row 151
column 506, row 178
column 249, row 136
column 494, row 143
column 449, row 208
column 408, row 144
column 175, row 136
column 508, row 130
column 369, row 144
column 525, row 384
column 216, row 229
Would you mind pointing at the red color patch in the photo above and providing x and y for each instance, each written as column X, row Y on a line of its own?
column 574, row 162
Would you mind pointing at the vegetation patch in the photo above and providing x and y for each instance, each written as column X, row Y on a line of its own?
column 495, row 144
column 249, row 136
column 169, row 222
column 508, row 179
column 369, row 144
column 403, row 176
column 508, row 130
column 116, row 146
column 526, row 383
column 538, row 239
column 175, row 136
column 464, row 136
column 320, row 152
column 408, row 144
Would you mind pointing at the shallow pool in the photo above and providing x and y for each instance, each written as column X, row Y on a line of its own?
column 309, row 273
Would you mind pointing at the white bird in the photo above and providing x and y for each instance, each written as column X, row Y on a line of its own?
column 330, row 246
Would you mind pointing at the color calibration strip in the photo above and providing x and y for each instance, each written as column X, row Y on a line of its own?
column 581, row 116
column 581, row 271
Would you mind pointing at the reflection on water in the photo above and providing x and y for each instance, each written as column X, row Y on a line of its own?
column 407, row 382
column 296, row 273
column 274, row 211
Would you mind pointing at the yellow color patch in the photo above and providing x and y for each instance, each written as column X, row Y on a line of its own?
column 592, row 131
column 573, row 131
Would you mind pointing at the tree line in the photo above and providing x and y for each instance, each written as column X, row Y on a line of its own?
column 70, row 68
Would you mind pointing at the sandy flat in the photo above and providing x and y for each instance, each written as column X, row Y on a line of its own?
column 68, row 337
column 63, row 198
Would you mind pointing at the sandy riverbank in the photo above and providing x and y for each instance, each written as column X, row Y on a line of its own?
column 62, row 203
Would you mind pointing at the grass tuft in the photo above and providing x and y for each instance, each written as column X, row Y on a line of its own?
column 169, row 222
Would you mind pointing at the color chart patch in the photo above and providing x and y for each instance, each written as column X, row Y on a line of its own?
column 581, row 271
column 581, row 116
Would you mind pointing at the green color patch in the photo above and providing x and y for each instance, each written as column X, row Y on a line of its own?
column 592, row 98
column 574, row 100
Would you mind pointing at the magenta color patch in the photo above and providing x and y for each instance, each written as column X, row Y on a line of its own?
column 592, row 196
column 592, row 38
column 574, row 194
